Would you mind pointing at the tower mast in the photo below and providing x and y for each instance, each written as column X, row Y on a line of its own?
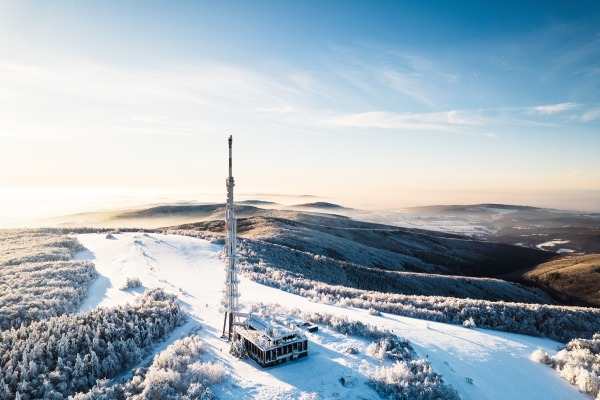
column 231, row 293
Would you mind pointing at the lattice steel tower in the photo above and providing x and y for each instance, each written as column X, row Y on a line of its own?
column 231, row 293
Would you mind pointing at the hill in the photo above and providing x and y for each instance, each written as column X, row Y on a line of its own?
column 474, row 241
column 200, row 211
column 575, row 231
column 382, row 246
column 152, row 217
column 340, row 251
column 573, row 279
column 319, row 205
column 257, row 202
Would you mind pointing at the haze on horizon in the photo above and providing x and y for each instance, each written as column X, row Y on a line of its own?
column 386, row 102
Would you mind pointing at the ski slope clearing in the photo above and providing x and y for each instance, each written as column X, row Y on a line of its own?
column 498, row 364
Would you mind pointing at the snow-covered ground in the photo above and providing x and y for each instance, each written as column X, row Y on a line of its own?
column 553, row 243
column 498, row 363
column 432, row 222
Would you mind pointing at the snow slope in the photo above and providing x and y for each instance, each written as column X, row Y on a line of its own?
column 498, row 363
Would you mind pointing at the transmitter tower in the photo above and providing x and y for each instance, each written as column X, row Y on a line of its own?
column 263, row 338
column 231, row 292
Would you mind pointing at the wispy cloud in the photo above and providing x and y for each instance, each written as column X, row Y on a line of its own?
column 481, row 122
column 564, row 113
column 82, row 98
column 552, row 108
column 408, row 84
column 381, row 71
column 591, row 115
column 449, row 121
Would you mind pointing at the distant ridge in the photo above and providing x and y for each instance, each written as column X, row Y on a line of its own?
column 171, row 210
column 319, row 204
column 505, row 206
column 255, row 202
column 200, row 210
column 483, row 207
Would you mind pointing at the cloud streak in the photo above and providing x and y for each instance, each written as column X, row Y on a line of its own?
column 449, row 121
column 552, row 108
column 592, row 115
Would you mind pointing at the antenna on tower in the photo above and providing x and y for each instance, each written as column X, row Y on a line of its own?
column 231, row 293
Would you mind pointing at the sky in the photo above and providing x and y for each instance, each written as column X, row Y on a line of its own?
column 388, row 103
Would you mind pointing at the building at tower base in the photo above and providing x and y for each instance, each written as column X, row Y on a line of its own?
column 270, row 341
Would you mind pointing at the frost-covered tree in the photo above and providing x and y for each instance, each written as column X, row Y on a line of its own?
column 390, row 347
column 132, row 282
column 578, row 362
column 38, row 277
column 85, row 347
column 408, row 380
column 178, row 372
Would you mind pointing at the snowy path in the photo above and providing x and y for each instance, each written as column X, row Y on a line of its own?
column 498, row 363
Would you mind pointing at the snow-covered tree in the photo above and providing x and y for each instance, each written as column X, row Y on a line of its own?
column 578, row 362
column 87, row 346
column 38, row 277
column 178, row 372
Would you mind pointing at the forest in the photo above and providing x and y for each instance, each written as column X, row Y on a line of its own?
column 61, row 356
column 38, row 277
column 177, row 373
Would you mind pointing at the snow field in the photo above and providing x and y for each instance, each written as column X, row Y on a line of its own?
column 553, row 243
column 432, row 222
column 498, row 364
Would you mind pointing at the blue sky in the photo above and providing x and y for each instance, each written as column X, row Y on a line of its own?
column 374, row 100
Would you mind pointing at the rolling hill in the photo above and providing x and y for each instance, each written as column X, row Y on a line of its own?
column 574, row 279
column 340, row 251
column 424, row 250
